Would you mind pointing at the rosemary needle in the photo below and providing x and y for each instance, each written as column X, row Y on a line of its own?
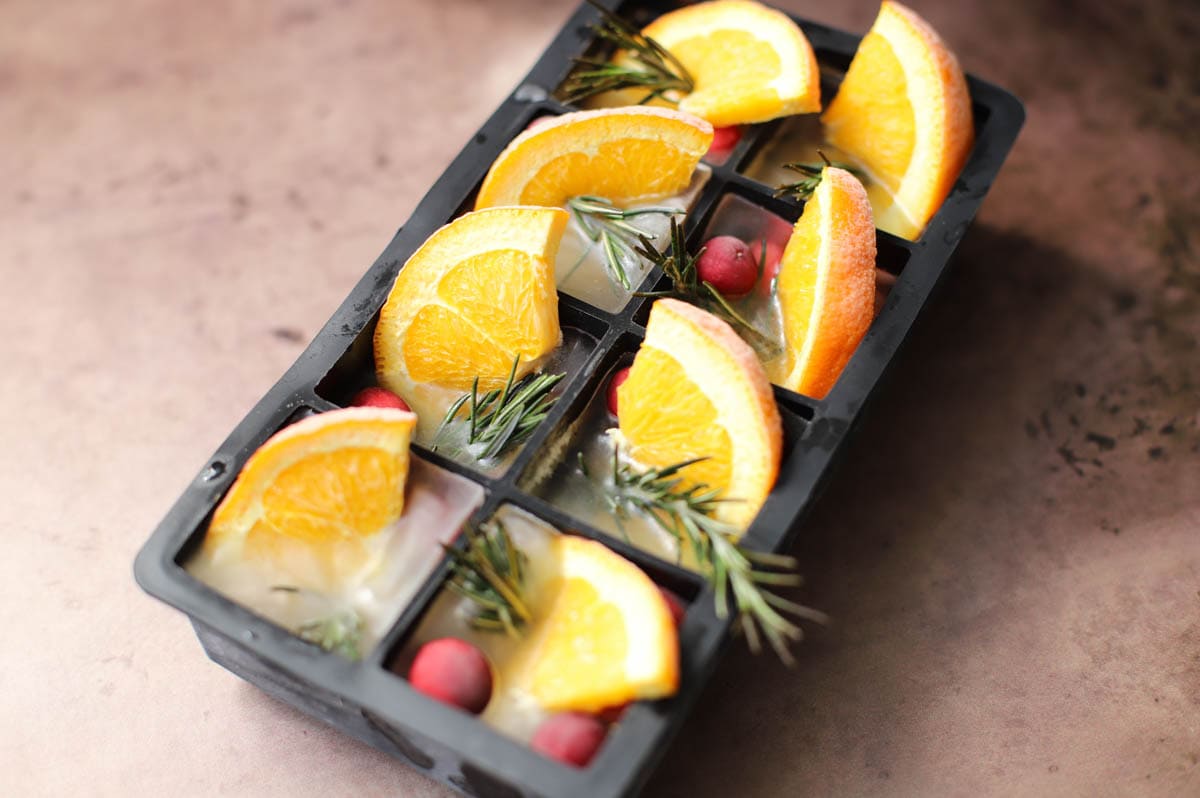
column 647, row 65
column 500, row 419
column 490, row 571
column 609, row 226
column 339, row 632
column 686, row 284
column 687, row 514
column 810, row 176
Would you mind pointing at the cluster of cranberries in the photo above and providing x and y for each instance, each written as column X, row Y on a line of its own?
column 457, row 673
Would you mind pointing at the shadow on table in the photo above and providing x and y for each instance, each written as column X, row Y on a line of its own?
column 912, row 539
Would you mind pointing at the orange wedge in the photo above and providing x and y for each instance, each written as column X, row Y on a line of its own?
column 606, row 636
column 826, row 284
column 904, row 112
column 698, row 390
column 750, row 63
column 311, row 497
column 478, row 294
column 622, row 154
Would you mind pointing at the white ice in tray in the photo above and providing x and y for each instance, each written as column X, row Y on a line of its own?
column 579, row 489
column 432, row 402
column 801, row 139
column 767, row 236
column 797, row 139
column 512, row 710
column 581, row 270
column 764, row 231
column 437, row 505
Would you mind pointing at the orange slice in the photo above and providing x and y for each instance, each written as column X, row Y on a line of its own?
column 311, row 497
column 903, row 110
column 478, row 294
column 750, row 63
column 622, row 154
column 698, row 390
column 606, row 636
column 826, row 284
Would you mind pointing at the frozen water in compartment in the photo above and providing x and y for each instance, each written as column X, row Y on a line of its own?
column 801, row 139
column 581, row 269
column 512, row 710
column 767, row 233
column 292, row 589
column 575, row 469
column 431, row 403
column 767, row 236
column 797, row 139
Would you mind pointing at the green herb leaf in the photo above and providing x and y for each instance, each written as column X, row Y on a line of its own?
column 490, row 571
column 499, row 420
column 339, row 632
column 653, row 67
column 810, row 173
column 608, row 225
column 687, row 514
column 686, row 284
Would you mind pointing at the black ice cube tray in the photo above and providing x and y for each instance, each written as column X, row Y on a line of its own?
column 368, row 700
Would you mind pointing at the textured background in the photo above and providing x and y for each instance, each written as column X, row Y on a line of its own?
column 187, row 190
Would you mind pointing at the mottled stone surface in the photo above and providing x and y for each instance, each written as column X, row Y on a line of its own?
column 188, row 190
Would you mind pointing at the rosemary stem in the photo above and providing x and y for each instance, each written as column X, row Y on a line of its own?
column 738, row 576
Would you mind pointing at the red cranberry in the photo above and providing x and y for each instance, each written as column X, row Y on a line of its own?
column 538, row 121
column 569, row 737
column 729, row 265
column 454, row 672
column 724, row 140
column 613, row 715
column 675, row 605
column 379, row 397
column 619, row 377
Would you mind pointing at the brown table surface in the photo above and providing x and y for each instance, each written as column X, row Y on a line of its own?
column 1010, row 551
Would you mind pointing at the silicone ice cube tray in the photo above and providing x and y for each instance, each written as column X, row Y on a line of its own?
column 366, row 698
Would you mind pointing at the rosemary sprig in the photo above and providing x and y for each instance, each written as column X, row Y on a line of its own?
column 503, row 418
column 686, row 284
column 687, row 514
column 649, row 66
column 810, row 173
column 339, row 632
column 609, row 226
column 490, row 571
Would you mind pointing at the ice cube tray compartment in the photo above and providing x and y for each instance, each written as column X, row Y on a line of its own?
column 367, row 700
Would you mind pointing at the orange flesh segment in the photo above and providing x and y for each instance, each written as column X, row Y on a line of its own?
column 624, row 155
column 904, row 112
column 476, row 295
column 605, row 636
column 750, row 63
column 671, row 424
column 879, row 125
column 827, row 284
column 310, row 497
column 698, row 390
column 327, row 496
column 596, row 657
column 441, row 347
